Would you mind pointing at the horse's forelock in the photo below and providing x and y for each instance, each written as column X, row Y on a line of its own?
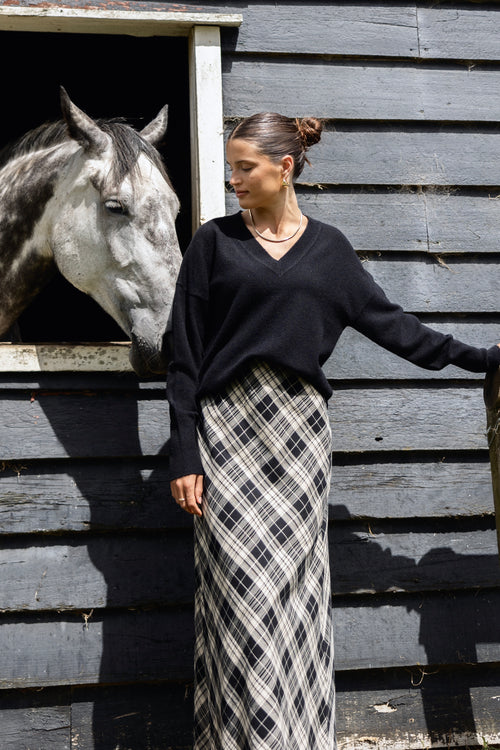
column 127, row 142
column 128, row 146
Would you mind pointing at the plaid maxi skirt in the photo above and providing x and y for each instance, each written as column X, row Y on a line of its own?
column 264, row 677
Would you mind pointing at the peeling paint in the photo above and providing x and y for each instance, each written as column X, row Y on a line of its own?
column 385, row 708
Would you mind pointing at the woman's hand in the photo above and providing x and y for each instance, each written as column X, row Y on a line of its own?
column 187, row 492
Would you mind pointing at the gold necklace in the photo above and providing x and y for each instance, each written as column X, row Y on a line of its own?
column 284, row 238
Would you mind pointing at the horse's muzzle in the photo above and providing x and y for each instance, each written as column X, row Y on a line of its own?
column 147, row 361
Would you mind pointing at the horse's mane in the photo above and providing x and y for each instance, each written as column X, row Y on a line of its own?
column 127, row 141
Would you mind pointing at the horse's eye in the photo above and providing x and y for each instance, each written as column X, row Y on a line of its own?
column 115, row 207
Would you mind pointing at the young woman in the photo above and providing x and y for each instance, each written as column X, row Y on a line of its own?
column 262, row 298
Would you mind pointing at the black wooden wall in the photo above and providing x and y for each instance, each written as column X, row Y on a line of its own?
column 96, row 571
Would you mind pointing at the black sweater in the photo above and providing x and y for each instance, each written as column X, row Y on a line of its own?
column 235, row 303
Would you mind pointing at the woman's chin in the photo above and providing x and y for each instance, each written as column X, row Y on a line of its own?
column 244, row 201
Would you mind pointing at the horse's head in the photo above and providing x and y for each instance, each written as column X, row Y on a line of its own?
column 112, row 228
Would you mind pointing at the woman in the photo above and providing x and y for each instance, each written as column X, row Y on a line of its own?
column 261, row 300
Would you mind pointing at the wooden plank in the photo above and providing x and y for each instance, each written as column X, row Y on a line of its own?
column 332, row 29
column 463, row 223
column 431, row 221
column 356, row 358
column 408, row 710
column 443, row 488
column 47, row 728
column 86, row 496
column 142, row 571
column 112, row 571
column 207, row 144
column 374, row 560
column 83, row 382
column 492, row 403
column 433, row 285
column 464, row 32
column 149, row 717
column 49, row 425
column 104, row 21
column 360, row 91
column 104, row 357
column 396, row 709
column 382, row 419
column 391, row 630
column 107, row 497
column 432, row 629
column 96, row 647
column 385, row 156
column 388, row 419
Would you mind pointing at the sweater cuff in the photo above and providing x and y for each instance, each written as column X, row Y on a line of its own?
column 184, row 454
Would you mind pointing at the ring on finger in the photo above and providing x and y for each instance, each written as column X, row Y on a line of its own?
column 181, row 500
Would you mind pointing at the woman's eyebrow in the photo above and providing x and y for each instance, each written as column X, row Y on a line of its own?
column 241, row 161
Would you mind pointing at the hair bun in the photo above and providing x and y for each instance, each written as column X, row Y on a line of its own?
column 310, row 129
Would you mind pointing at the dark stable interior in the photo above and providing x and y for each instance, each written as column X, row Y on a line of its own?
column 106, row 76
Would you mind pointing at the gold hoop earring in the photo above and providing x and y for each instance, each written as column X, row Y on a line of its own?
column 285, row 183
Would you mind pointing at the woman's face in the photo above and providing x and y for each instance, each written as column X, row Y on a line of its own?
column 256, row 180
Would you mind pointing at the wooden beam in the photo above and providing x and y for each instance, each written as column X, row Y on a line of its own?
column 102, row 357
column 97, row 21
column 365, row 559
column 207, row 139
column 492, row 402
column 343, row 90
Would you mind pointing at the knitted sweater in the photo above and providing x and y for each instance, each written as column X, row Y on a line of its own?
column 234, row 303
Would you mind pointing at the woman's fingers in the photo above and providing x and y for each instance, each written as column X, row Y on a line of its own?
column 187, row 492
column 198, row 488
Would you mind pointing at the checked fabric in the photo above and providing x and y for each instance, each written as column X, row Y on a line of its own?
column 264, row 677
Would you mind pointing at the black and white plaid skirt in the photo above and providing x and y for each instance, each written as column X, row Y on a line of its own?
column 264, row 677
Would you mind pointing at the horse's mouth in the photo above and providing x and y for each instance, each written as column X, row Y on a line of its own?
column 146, row 361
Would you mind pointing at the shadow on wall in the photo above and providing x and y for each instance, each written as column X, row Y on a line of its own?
column 456, row 626
column 141, row 543
column 133, row 648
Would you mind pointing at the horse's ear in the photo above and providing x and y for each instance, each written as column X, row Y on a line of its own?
column 154, row 132
column 81, row 127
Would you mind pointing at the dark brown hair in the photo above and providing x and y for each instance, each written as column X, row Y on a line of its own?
column 277, row 136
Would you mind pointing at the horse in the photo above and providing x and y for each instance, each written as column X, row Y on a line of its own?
column 92, row 200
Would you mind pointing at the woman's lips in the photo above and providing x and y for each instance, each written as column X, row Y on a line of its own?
column 240, row 193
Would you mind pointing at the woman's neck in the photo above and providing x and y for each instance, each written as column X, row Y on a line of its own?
column 276, row 221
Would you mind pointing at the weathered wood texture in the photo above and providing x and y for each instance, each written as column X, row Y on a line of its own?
column 378, row 418
column 118, row 646
column 96, row 632
column 417, row 155
column 81, row 717
column 356, row 357
column 436, row 221
column 158, row 570
column 343, row 90
column 492, row 402
column 73, row 496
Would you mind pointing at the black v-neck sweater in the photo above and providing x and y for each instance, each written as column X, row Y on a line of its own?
column 234, row 303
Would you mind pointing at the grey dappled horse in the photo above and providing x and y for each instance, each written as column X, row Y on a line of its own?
column 92, row 199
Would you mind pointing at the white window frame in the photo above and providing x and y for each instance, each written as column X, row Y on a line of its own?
column 207, row 143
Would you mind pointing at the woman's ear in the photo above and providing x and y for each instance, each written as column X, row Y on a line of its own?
column 287, row 165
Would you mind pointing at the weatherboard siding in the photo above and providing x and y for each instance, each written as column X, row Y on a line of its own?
column 97, row 579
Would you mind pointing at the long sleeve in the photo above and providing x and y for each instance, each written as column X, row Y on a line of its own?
column 402, row 333
column 189, row 314
column 235, row 304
